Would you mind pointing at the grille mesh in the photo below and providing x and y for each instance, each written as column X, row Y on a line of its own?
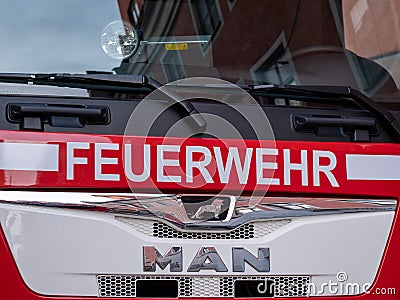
column 246, row 231
column 202, row 286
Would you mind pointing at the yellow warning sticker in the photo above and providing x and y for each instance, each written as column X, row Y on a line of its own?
column 177, row 46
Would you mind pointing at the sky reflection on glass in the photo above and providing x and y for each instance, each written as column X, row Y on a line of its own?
column 55, row 36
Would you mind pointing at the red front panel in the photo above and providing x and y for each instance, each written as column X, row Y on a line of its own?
column 97, row 162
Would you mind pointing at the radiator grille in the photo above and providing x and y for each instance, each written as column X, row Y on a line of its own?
column 246, row 231
column 202, row 286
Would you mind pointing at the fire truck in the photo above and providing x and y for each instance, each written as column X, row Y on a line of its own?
column 199, row 149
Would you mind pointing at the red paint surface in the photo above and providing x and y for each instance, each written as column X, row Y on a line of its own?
column 12, row 286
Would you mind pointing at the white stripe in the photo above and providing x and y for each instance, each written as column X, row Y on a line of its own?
column 28, row 157
column 74, row 197
column 373, row 167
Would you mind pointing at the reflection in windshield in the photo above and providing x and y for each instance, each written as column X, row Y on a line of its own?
column 43, row 36
column 328, row 42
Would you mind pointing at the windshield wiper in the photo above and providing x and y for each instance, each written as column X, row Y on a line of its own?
column 333, row 93
column 108, row 82
column 339, row 94
column 98, row 81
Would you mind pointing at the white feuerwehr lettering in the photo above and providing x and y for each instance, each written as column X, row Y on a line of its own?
column 128, row 155
column 327, row 170
column 100, row 161
column 224, row 167
column 72, row 160
column 200, row 165
column 242, row 169
column 261, row 165
column 288, row 167
column 163, row 162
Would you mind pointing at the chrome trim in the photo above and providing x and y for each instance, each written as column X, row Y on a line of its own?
column 241, row 255
column 178, row 211
column 207, row 258
column 204, row 286
column 151, row 257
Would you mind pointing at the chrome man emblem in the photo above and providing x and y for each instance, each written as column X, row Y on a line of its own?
column 215, row 207
column 152, row 257
column 220, row 208
column 241, row 255
column 206, row 258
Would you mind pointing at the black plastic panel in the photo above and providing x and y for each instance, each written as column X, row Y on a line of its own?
column 280, row 118
column 157, row 288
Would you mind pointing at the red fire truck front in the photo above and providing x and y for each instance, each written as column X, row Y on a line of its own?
column 199, row 149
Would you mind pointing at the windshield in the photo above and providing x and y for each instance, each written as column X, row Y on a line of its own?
column 304, row 42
